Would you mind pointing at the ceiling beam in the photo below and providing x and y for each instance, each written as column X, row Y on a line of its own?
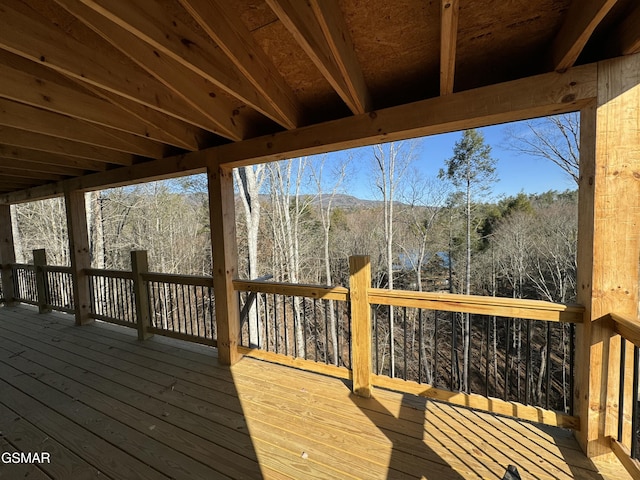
column 51, row 159
column 581, row 20
column 236, row 41
column 537, row 96
column 40, row 167
column 629, row 32
column 57, row 146
column 449, row 13
column 24, row 117
column 199, row 93
column 38, row 92
column 148, row 21
column 21, row 173
column 30, row 36
column 320, row 30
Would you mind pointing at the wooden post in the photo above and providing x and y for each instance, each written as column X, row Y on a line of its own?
column 225, row 258
column 140, row 265
column 359, row 284
column 608, row 243
column 7, row 254
column 79, row 253
column 39, row 261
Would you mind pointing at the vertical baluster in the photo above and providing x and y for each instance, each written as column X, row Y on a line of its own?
column 286, row 325
column 275, row 324
column 420, row 344
column 548, row 372
column 315, row 326
column 454, row 348
column 572, row 355
column 623, row 355
column 486, row 363
column 375, row 331
column 506, row 359
column 434, row 350
column 404, row 346
column 527, row 364
column 634, row 398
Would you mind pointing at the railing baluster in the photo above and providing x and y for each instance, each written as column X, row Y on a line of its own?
column 548, row 372
column 635, row 421
column 623, row 358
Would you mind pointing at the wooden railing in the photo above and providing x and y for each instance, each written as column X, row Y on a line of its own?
column 626, row 442
column 335, row 330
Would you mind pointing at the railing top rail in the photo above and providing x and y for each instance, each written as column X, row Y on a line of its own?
column 56, row 268
column 626, row 327
column 177, row 278
column 296, row 290
column 99, row 272
column 478, row 304
column 27, row 266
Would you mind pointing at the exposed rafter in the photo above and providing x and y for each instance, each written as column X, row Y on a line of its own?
column 581, row 20
column 195, row 90
column 22, row 173
column 167, row 36
column 26, row 34
column 23, row 117
column 57, row 146
column 50, row 159
column 234, row 39
column 449, row 12
column 320, row 30
column 36, row 91
column 39, row 167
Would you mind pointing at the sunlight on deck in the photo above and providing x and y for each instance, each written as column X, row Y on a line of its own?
column 101, row 401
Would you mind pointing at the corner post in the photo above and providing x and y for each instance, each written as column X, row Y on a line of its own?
column 359, row 284
column 79, row 253
column 225, row 261
column 140, row 265
column 42, row 286
column 608, row 244
column 7, row 254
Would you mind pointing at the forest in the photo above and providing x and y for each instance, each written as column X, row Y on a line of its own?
column 297, row 223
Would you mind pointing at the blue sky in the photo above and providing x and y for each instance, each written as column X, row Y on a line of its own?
column 516, row 172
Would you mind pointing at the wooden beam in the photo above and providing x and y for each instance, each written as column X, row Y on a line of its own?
column 30, row 36
column 7, row 253
column 581, row 20
column 17, row 171
column 10, row 163
column 300, row 19
column 608, row 241
column 225, row 258
column 232, row 36
column 547, row 94
column 57, row 146
column 198, row 92
column 629, row 33
column 80, row 255
column 449, row 13
column 45, row 158
column 139, row 266
column 338, row 38
column 38, row 92
column 24, row 117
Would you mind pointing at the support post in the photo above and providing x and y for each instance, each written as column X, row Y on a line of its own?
column 140, row 265
column 40, row 261
column 608, row 243
column 79, row 253
column 225, row 262
column 359, row 284
column 7, row 254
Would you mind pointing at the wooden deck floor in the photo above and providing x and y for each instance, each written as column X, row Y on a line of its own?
column 107, row 406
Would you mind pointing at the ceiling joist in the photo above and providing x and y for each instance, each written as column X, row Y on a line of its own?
column 449, row 13
column 50, row 159
column 630, row 33
column 39, row 167
column 24, row 117
column 319, row 28
column 26, row 34
column 234, row 39
column 581, row 20
column 199, row 93
column 14, row 137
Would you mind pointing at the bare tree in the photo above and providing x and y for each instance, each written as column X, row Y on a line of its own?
column 554, row 138
column 391, row 161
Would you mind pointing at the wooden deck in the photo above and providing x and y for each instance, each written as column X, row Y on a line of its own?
column 105, row 405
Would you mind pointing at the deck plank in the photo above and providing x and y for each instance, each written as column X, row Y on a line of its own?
column 258, row 419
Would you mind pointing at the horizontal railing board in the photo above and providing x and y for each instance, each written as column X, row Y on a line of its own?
column 630, row 464
column 108, row 319
column 626, row 327
column 98, row 272
column 183, row 336
column 56, row 268
column 294, row 290
column 478, row 304
column 176, row 278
